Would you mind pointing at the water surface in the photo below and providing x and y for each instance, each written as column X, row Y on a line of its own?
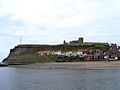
column 14, row 78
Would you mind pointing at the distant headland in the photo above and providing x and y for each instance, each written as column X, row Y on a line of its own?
column 74, row 51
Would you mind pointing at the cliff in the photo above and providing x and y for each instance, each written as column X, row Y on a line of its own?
column 28, row 53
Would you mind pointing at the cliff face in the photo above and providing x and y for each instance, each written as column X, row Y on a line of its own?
column 23, row 54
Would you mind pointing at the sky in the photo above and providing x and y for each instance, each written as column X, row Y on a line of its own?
column 52, row 21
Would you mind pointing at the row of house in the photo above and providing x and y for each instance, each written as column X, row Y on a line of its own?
column 113, row 53
column 51, row 52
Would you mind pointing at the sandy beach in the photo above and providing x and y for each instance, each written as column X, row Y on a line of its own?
column 74, row 65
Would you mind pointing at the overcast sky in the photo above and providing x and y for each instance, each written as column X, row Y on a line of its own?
column 52, row 21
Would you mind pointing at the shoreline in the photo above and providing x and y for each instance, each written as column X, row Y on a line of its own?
column 73, row 65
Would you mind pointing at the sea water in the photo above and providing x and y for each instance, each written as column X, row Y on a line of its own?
column 18, row 78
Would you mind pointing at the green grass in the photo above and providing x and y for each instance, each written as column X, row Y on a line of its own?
column 26, row 58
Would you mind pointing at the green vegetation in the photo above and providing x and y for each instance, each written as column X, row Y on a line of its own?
column 101, row 46
column 72, row 47
column 67, row 47
column 27, row 58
